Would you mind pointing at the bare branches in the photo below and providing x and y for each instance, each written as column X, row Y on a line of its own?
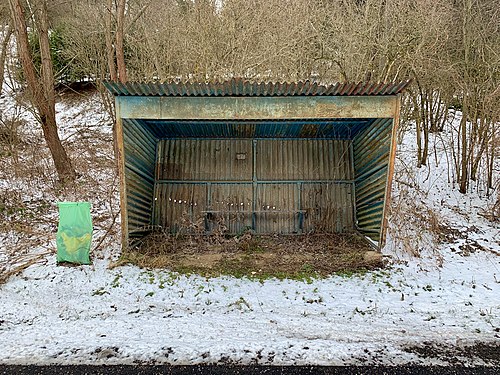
column 452, row 49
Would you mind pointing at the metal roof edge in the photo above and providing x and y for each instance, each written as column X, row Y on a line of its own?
column 239, row 87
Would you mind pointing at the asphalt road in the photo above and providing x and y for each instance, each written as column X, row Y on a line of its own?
column 245, row 370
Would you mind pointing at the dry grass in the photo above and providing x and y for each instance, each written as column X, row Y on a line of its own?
column 282, row 256
column 492, row 213
column 20, row 263
column 414, row 227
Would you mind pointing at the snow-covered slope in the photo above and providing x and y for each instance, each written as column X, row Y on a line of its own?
column 448, row 295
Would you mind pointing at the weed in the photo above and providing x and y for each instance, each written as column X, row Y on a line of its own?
column 241, row 304
column 200, row 289
column 388, row 284
column 116, row 281
column 349, row 273
column 147, row 276
column 307, row 268
column 314, row 300
column 367, row 311
column 428, row 288
column 100, row 292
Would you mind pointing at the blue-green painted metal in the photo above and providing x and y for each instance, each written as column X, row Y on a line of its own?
column 279, row 185
column 360, row 117
column 139, row 148
column 255, row 107
column 326, row 129
column 371, row 149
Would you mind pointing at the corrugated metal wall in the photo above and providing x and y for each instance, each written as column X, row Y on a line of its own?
column 139, row 146
column 272, row 186
column 309, row 159
column 205, row 160
column 328, row 207
column 371, row 149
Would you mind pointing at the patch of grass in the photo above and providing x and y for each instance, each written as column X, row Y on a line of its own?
column 349, row 273
column 304, row 257
column 251, row 246
column 100, row 292
column 241, row 304
column 116, row 281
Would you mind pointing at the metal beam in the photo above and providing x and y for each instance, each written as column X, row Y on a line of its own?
column 256, row 108
column 247, row 182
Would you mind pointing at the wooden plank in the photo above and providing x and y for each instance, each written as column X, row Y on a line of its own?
column 123, row 183
column 390, row 173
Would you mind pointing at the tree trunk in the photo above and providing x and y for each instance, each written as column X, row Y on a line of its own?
column 110, row 52
column 41, row 89
column 419, row 140
column 120, row 54
column 24, row 51
column 463, row 154
column 491, row 163
column 46, row 71
column 48, row 112
column 424, row 151
column 483, row 138
column 3, row 54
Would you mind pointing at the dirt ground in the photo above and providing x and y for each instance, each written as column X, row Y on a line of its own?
column 282, row 256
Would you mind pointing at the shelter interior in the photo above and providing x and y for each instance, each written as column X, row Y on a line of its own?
column 270, row 176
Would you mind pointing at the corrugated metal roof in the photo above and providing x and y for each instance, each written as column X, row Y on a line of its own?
column 241, row 87
column 331, row 129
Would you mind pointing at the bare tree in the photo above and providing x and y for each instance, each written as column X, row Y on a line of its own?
column 5, row 34
column 474, row 60
column 41, row 85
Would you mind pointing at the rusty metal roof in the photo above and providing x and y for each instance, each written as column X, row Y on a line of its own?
column 322, row 129
column 241, row 87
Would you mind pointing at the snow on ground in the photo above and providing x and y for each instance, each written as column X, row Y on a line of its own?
column 93, row 314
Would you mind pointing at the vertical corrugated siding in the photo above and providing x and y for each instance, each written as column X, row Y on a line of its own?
column 303, row 160
column 371, row 158
column 207, row 206
column 180, row 205
column 328, row 207
column 277, row 208
column 272, row 186
column 205, row 159
column 232, row 206
column 139, row 147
